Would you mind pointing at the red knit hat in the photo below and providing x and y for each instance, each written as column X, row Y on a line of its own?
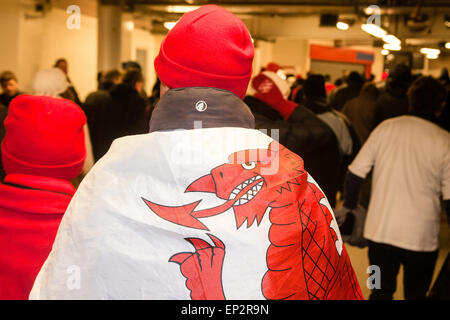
column 208, row 47
column 44, row 137
column 272, row 91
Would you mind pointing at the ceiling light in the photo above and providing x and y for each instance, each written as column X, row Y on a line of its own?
column 391, row 39
column 430, row 51
column 432, row 56
column 447, row 45
column 342, row 25
column 393, row 47
column 374, row 30
column 129, row 25
column 384, row 52
column 169, row 24
column 181, row 9
column 372, row 10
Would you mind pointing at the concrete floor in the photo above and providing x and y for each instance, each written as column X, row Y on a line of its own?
column 360, row 262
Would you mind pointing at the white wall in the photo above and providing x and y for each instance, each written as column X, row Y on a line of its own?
column 9, row 33
column 143, row 39
column 77, row 46
column 36, row 43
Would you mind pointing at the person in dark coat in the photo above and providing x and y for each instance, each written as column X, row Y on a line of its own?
column 97, row 99
column 354, row 83
column 444, row 119
column 314, row 92
column 122, row 113
column 394, row 102
column 9, row 84
column 300, row 130
column 361, row 111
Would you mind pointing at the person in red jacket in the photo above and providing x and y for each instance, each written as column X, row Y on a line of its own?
column 42, row 151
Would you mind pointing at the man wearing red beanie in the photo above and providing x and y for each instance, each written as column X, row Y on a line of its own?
column 204, row 206
column 42, row 150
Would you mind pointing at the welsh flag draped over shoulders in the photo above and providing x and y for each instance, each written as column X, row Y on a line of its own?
column 218, row 213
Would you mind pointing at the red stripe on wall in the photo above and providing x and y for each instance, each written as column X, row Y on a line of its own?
column 319, row 52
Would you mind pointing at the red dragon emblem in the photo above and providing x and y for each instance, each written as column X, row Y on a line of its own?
column 306, row 258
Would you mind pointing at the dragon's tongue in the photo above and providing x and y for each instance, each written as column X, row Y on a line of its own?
column 213, row 211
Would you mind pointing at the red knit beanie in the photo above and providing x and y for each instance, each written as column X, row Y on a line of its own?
column 44, row 137
column 208, row 47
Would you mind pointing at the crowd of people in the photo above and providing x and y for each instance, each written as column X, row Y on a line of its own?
column 383, row 145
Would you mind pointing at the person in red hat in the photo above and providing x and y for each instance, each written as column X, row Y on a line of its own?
column 300, row 129
column 183, row 212
column 43, row 149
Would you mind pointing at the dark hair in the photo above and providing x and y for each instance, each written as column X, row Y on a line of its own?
column 354, row 78
column 110, row 76
column 370, row 90
column 59, row 61
column 314, row 86
column 131, row 65
column 132, row 76
column 6, row 76
column 426, row 96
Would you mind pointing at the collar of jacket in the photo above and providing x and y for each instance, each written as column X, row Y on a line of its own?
column 35, row 194
column 199, row 107
column 317, row 105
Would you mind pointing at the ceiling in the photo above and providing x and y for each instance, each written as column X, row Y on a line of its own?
column 290, row 7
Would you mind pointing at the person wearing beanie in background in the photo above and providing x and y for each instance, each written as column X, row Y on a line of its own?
column 299, row 130
column 53, row 83
column 42, row 151
column 180, row 213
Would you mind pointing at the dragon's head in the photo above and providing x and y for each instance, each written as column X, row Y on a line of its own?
column 250, row 182
column 254, row 180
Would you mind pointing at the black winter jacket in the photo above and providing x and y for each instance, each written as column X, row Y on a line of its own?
column 114, row 114
column 309, row 137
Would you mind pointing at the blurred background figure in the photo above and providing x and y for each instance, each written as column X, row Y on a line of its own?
column 353, row 84
column 3, row 114
column 64, row 67
column 361, row 111
column 394, row 101
column 329, row 86
column 444, row 119
column 42, row 151
column 10, row 87
column 296, row 93
column 300, row 130
column 154, row 97
column 314, row 98
column 53, row 83
column 95, row 102
column 120, row 112
column 410, row 157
